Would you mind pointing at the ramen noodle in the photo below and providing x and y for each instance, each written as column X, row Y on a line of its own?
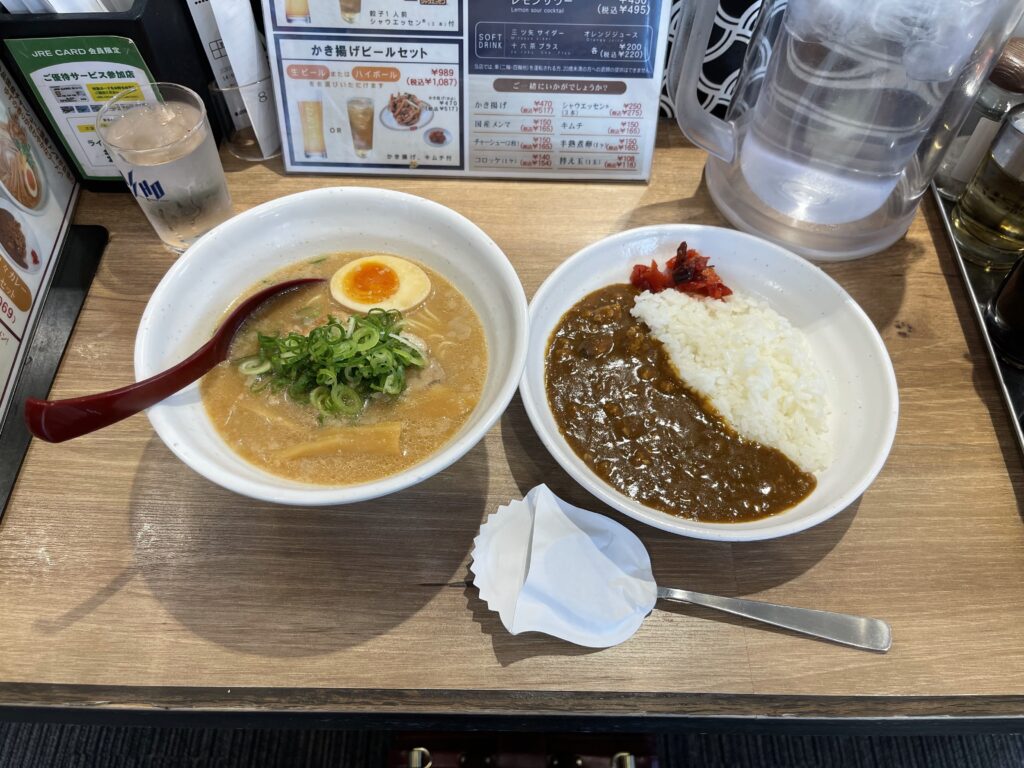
column 17, row 169
column 293, row 437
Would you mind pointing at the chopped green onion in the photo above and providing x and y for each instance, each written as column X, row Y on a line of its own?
column 253, row 366
column 346, row 400
column 337, row 366
column 365, row 338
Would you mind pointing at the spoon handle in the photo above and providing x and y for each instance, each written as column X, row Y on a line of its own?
column 58, row 420
column 857, row 631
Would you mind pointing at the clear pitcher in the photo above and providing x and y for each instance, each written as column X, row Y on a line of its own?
column 841, row 113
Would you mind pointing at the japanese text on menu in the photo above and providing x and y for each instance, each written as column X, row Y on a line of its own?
column 514, row 88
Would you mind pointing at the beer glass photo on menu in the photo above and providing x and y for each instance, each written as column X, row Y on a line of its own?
column 311, row 117
column 296, row 11
column 350, row 10
column 160, row 141
column 360, row 120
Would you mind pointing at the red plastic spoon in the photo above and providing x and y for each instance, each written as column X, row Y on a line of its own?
column 58, row 420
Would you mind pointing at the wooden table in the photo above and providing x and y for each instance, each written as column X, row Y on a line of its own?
column 129, row 582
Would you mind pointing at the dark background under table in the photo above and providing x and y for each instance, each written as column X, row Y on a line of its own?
column 72, row 746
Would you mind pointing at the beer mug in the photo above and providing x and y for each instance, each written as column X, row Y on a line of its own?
column 311, row 118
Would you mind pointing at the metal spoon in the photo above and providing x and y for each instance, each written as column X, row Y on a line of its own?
column 58, row 420
column 858, row 631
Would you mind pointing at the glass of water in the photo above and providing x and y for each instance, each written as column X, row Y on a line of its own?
column 159, row 138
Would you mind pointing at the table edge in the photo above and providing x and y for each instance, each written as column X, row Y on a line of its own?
column 508, row 709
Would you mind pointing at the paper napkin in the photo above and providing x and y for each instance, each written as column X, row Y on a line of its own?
column 546, row 566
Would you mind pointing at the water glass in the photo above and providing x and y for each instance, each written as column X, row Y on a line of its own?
column 159, row 137
column 235, row 105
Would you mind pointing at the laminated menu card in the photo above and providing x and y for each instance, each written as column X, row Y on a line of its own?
column 511, row 88
column 37, row 194
column 73, row 77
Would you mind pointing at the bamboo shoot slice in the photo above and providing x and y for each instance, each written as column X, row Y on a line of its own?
column 376, row 439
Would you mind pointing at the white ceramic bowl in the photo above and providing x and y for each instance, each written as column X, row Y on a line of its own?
column 189, row 301
column 862, row 386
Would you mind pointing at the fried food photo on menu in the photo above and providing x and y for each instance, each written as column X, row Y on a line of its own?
column 405, row 108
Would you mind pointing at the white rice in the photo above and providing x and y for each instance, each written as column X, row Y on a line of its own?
column 754, row 367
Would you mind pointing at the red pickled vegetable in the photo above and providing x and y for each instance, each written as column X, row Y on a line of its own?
column 687, row 272
column 650, row 278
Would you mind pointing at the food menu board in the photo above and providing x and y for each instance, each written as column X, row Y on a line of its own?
column 37, row 194
column 509, row 88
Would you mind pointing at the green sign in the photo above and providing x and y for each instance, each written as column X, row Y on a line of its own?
column 72, row 78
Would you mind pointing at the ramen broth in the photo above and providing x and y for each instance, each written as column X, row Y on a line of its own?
column 391, row 434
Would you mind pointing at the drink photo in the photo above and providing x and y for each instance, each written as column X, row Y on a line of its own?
column 360, row 120
column 311, row 117
column 350, row 10
column 297, row 12
column 161, row 143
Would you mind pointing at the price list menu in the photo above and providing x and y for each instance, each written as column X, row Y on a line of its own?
column 508, row 88
column 579, row 134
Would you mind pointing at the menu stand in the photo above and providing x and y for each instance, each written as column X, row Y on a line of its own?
column 981, row 285
column 76, row 266
column 163, row 32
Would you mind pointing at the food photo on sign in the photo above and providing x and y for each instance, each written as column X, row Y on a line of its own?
column 37, row 194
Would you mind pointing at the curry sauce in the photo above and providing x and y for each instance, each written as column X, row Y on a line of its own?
column 623, row 409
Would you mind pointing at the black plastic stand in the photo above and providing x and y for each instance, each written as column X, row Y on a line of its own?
column 76, row 267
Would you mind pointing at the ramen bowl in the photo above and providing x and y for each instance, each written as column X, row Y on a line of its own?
column 192, row 297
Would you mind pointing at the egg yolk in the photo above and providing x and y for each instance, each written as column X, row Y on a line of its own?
column 30, row 181
column 370, row 283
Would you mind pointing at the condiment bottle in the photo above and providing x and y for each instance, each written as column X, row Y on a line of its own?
column 1003, row 90
column 1005, row 317
column 988, row 219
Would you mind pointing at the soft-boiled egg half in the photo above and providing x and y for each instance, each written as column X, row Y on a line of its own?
column 380, row 281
